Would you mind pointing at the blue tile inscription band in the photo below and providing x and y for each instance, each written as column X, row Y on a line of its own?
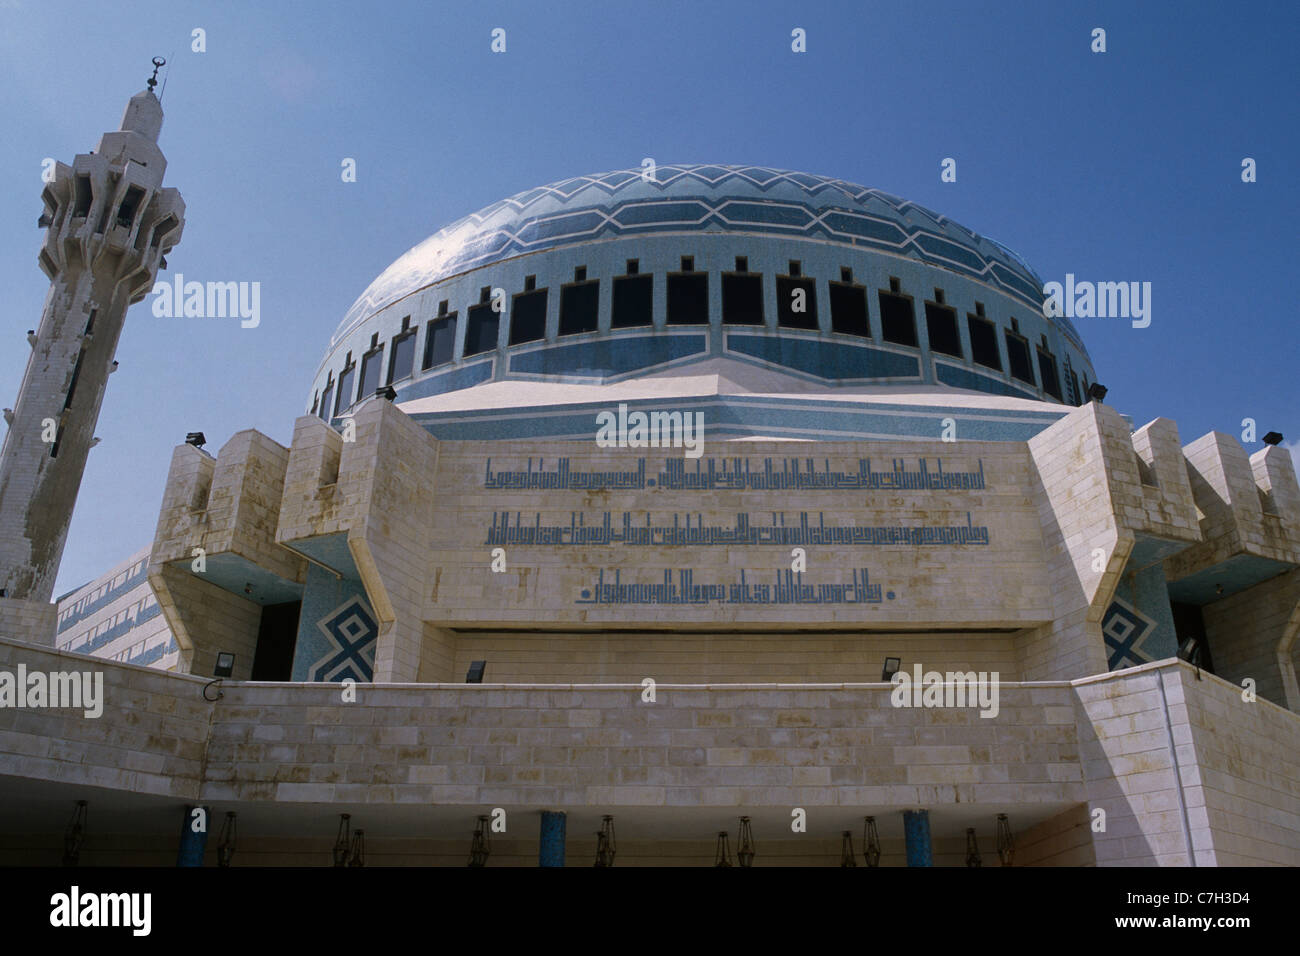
column 788, row 589
column 786, row 474
column 678, row 534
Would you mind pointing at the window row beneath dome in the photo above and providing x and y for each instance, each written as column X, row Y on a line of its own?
column 686, row 291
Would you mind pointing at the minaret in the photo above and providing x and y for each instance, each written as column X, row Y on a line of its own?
column 108, row 223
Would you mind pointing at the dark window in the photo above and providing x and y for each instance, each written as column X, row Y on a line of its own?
column 742, row 263
column 481, row 332
column 580, row 274
column 1076, row 396
column 276, row 638
column 688, row 263
column 371, row 363
column 162, row 231
column 1018, row 357
column 983, row 341
column 897, row 318
column 402, row 363
column 315, row 403
column 742, row 296
column 1047, row 372
column 440, row 340
column 791, row 291
column 633, row 300
column 72, row 384
column 90, row 322
column 528, row 315
column 325, row 397
column 530, row 283
column 846, row 275
column 579, row 305
column 82, row 199
column 688, row 298
column 633, row 266
column 849, row 308
column 130, row 204
column 344, row 398
column 941, row 327
column 796, row 268
column 1189, row 622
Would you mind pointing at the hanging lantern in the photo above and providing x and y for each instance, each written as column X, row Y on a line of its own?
column 972, row 850
column 358, row 855
column 745, row 844
column 1006, row 843
column 846, row 850
column 871, row 842
column 341, row 841
column 722, row 856
column 226, row 843
column 479, row 849
column 75, row 835
column 605, row 848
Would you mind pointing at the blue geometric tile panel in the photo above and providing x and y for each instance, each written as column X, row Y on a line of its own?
column 350, row 631
column 1126, row 631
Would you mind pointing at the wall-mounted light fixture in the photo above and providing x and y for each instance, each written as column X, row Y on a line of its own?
column 870, row 842
column 357, row 856
column 891, row 667
column 226, row 843
column 1006, row 842
column 846, row 849
column 478, row 848
column 342, row 841
column 605, row 846
column 75, row 835
column 745, row 844
column 972, row 849
column 225, row 664
column 1190, row 651
column 722, row 855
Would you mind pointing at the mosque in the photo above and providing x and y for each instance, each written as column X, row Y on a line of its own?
column 473, row 613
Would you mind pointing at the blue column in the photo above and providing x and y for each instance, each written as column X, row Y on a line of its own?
column 193, row 845
column 551, row 851
column 916, row 830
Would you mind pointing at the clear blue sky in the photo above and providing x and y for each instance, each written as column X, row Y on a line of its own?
column 1116, row 166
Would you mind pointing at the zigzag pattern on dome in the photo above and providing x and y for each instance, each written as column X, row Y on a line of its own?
column 686, row 198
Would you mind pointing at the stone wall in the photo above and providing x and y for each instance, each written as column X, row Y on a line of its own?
column 694, row 657
column 1171, row 759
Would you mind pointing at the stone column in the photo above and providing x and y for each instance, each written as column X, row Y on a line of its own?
column 916, row 830
column 193, row 844
column 551, row 850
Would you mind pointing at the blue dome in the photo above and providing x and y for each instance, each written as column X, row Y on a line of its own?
column 701, row 198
